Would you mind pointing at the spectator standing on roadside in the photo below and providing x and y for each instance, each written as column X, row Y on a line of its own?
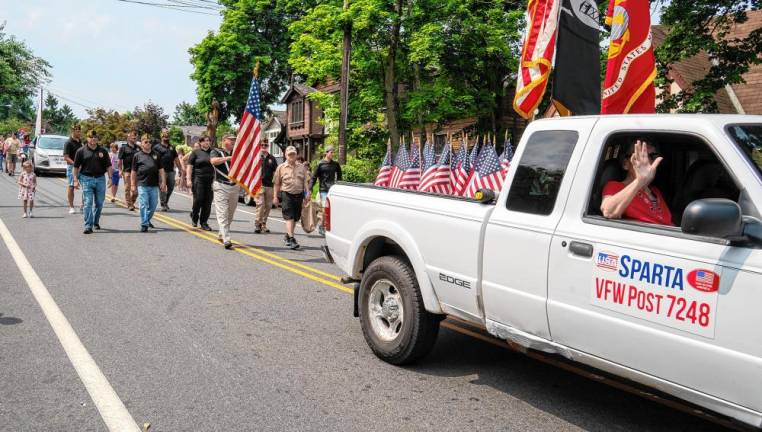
column 225, row 191
column 291, row 188
column 114, row 156
column 91, row 162
column 149, row 179
column 12, row 148
column 264, row 198
column 125, row 156
column 199, row 168
column 169, row 160
column 2, row 152
column 70, row 149
column 327, row 172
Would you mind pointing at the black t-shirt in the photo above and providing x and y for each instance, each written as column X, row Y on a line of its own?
column 168, row 156
column 146, row 166
column 269, row 165
column 92, row 163
column 221, row 171
column 327, row 173
column 126, row 152
column 71, row 147
column 199, row 159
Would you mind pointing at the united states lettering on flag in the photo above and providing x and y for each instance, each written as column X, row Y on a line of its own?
column 411, row 178
column 401, row 163
column 246, row 164
column 384, row 176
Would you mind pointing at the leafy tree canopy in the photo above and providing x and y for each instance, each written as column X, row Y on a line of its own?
column 57, row 119
column 150, row 119
column 110, row 125
column 21, row 73
column 187, row 114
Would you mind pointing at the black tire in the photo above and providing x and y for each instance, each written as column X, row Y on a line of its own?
column 419, row 328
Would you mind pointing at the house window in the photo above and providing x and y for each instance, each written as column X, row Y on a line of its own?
column 297, row 114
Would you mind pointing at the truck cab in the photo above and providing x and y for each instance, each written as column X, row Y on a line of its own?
column 672, row 306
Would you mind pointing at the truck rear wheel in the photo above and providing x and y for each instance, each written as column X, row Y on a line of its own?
column 394, row 320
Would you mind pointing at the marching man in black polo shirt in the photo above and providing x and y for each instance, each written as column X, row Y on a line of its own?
column 148, row 178
column 225, row 191
column 169, row 160
column 91, row 162
column 126, row 152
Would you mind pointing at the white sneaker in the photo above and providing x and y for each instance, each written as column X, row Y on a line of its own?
column 30, row 214
column 24, row 215
column 71, row 210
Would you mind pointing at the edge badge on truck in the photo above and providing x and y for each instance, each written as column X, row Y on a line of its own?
column 704, row 280
column 451, row 280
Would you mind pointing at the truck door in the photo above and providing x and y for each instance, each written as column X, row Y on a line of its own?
column 677, row 307
column 518, row 234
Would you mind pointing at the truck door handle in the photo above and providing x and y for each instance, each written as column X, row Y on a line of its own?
column 584, row 250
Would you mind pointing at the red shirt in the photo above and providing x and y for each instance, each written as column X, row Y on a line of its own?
column 641, row 208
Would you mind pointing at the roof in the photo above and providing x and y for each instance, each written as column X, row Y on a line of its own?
column 193, row 130
column 695, row 68
column 748, row 94
column 277, row 116
column 687, row 71
column 297, row 88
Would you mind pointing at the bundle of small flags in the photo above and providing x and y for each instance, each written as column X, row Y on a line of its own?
column 453, row 173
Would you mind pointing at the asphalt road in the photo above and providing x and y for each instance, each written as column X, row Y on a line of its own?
column 192, row 337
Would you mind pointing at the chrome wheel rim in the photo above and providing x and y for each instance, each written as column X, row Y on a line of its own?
column 385, row 310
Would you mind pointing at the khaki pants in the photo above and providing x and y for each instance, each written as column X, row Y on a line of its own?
column 130, row 196
column 264, row 202
column 225, row 203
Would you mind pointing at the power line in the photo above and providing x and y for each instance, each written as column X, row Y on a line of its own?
column 172, row 6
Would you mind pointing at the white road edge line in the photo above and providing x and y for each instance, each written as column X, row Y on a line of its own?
column 111, row 408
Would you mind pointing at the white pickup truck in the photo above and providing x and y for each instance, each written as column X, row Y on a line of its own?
column 677, row 308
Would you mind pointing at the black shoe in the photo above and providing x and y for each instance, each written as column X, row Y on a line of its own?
column 228, row 245
column 97, row 226
column 258, row 230
column 87, row 231
column 206, row 227
column 194, row 224
column 165, row 208
column 150, row 225
column 294, row 245
column 143, row 228
column 265, row 230
column 287, row 239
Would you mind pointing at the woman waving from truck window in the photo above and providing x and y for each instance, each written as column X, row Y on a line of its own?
column 634, row 198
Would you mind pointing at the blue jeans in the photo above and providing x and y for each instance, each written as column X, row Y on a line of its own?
column 93, row 195
column 148, row 196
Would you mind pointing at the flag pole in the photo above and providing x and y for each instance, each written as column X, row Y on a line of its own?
column 255, row 72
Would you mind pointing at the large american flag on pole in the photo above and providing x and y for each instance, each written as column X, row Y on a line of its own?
column 385, row 172
column 246, row 164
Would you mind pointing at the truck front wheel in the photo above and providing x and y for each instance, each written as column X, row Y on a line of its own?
column 394, row 320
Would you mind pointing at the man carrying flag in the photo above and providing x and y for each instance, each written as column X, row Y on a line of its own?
column 631, row 68
column 246, row 162
column 384, row 176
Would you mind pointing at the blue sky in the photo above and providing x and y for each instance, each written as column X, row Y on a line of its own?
column 108, row 53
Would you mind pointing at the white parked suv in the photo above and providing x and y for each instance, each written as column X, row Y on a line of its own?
column 47, row 154
column 675, row 306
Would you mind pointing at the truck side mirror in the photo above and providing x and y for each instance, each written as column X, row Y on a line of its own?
column 713, row 217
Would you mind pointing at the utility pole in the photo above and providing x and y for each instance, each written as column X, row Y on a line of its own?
column 344, row 86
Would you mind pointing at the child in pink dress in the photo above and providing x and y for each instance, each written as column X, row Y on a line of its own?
column 27, row 185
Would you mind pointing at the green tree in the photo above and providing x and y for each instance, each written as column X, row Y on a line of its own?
column 150, row 119
column 21, row 74
column 188, row 114
column 57, row 119
column 108, row 124
column 251, row 31
column 705, row 25
column 176, row 136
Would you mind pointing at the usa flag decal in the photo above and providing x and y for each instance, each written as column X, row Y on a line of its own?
column 704, row 280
